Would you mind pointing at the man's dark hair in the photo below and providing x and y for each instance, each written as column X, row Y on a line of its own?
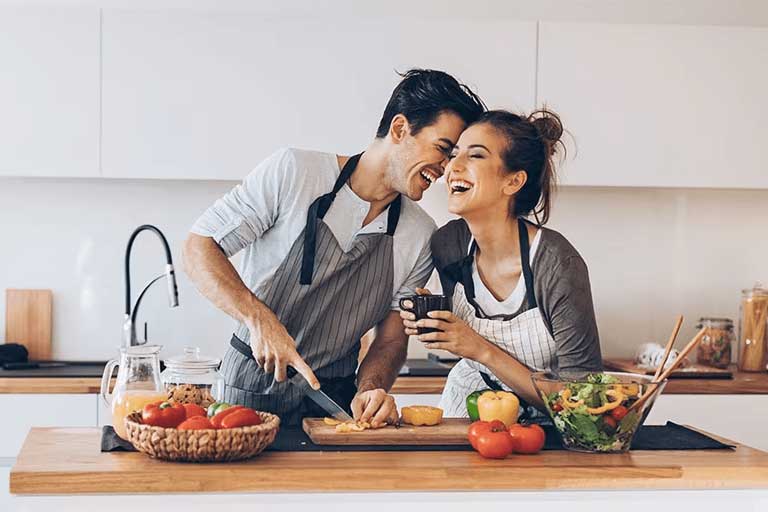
column 423, row 94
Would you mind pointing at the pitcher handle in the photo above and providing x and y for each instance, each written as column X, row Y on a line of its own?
column 105, row 380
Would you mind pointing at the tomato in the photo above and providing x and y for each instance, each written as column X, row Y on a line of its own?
column 490, row 439
column 619, row 412
column 527, row 438
column 610, row 423
column 163, row 414
column 194, row 410
column 478, row 428
column 557, row 407
column 243, row 417
column 216, row 420
column 196, row 423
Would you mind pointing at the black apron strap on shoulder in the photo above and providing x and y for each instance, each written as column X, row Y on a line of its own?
column 317, row 211
column 393, row 215
column 525, row 257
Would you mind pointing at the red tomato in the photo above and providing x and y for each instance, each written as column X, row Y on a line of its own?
column 619, row 412
column 216, row 420
column 241, row 418
column 194, row 410
column 196, row 423
column 527, row 438
column 557, row 407
column 610, row 422
column 490, row 439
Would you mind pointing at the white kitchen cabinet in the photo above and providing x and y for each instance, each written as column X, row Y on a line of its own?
column 658, row 105
column 24, row 411
column 207, row 95
column 49, row 91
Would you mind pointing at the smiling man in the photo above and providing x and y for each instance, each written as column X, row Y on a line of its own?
column 331, row 244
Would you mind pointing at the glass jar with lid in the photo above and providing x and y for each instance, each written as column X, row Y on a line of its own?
column 192, row 378
column 715, row 347
column 753, row 329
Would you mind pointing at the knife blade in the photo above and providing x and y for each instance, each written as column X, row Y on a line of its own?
column 319, row 396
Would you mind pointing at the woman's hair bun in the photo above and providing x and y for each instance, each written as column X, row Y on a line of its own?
column 549, row 127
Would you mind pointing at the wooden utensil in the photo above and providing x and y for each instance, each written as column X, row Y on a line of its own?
column 678, row 360
column 28, row 321
column 668, row 349
column 452, row 431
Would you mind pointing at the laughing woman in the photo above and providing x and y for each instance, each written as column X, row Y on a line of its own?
column 521, row 293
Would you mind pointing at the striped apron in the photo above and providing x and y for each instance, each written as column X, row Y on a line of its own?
column 525, row 337
column 326, row 298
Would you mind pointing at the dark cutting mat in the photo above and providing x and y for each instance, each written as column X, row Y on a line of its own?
column 651, row 437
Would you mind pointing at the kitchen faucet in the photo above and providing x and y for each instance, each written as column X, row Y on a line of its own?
column 129, row 325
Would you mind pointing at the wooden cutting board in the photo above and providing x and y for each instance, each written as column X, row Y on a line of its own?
column 693, row 371
column 452, row 431
column 28, row 321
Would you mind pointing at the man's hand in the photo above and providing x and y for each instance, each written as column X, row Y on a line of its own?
column 274, row 349
column 375, row 407
column 408, row 318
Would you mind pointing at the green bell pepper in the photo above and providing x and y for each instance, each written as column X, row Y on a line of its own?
column 474, row 415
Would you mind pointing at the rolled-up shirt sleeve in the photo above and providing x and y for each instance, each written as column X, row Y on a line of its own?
column 250, row 208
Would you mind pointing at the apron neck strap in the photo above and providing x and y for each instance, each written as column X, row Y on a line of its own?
column 320, row 207
column 525, row 260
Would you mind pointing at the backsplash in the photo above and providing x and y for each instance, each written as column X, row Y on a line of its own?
column 652, row 253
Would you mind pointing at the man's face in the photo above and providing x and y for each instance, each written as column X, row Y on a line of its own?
column 420, row 159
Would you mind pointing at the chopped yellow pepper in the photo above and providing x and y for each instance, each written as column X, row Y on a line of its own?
column 498, row 405
column 617, row 396
column 567, row 403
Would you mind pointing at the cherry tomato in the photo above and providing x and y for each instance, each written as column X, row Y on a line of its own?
column 490, row 439
column 619, row 412
column 557, row 407
column 241, row 418
column 610, row 423
column 527, row 438
column 194, row 410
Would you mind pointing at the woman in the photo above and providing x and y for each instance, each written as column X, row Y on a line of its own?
column 521, row 294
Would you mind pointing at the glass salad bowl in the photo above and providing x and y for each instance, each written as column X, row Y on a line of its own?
column 593, row 412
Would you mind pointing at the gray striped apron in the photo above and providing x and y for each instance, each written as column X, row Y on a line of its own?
column 327, row 299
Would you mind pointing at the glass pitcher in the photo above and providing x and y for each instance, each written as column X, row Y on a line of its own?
column 138, row 383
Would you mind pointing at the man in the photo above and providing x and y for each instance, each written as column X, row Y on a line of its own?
column 331, row 245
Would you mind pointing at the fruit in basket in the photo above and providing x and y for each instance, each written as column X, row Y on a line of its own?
column 498, row 405
column 196, row 423
column 243, row 417
column 163, row 414
column 194, row 410
column 219, row 416
column 216, row 408
column 490, row 439
column 528, row 438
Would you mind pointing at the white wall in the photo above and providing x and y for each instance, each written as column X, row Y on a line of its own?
column 652, row 253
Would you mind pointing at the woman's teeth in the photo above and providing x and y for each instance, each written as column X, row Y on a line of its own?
column 459, row 186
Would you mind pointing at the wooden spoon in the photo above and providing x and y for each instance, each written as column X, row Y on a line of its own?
column 690, row 346
column 668, row 349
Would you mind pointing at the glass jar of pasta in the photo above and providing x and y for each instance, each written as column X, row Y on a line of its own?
column 715, row 347
column 753, row 329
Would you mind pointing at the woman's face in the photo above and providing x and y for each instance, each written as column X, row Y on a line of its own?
column 476, row 176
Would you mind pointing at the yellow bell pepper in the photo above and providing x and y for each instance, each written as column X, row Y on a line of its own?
column 617, row 396
column 567, row 402
column 498, row 405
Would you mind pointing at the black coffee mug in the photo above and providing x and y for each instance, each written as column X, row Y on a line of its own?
column 420, row 305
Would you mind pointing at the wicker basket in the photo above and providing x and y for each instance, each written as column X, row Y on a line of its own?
column 202, row 445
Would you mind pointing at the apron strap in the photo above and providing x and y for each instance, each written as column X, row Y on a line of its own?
column 320, row 207
column 525, row 259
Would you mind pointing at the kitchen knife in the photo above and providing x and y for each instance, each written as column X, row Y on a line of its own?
column 325, row 402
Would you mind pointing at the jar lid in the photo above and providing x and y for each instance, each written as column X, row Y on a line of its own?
column 758, row 289
column 714, row 320
column 192, row 360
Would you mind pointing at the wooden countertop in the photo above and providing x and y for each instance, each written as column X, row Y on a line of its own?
column 741, row 384
column 68, row 461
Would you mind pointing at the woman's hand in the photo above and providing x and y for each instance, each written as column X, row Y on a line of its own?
column 409, row 318
column 457, row 337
